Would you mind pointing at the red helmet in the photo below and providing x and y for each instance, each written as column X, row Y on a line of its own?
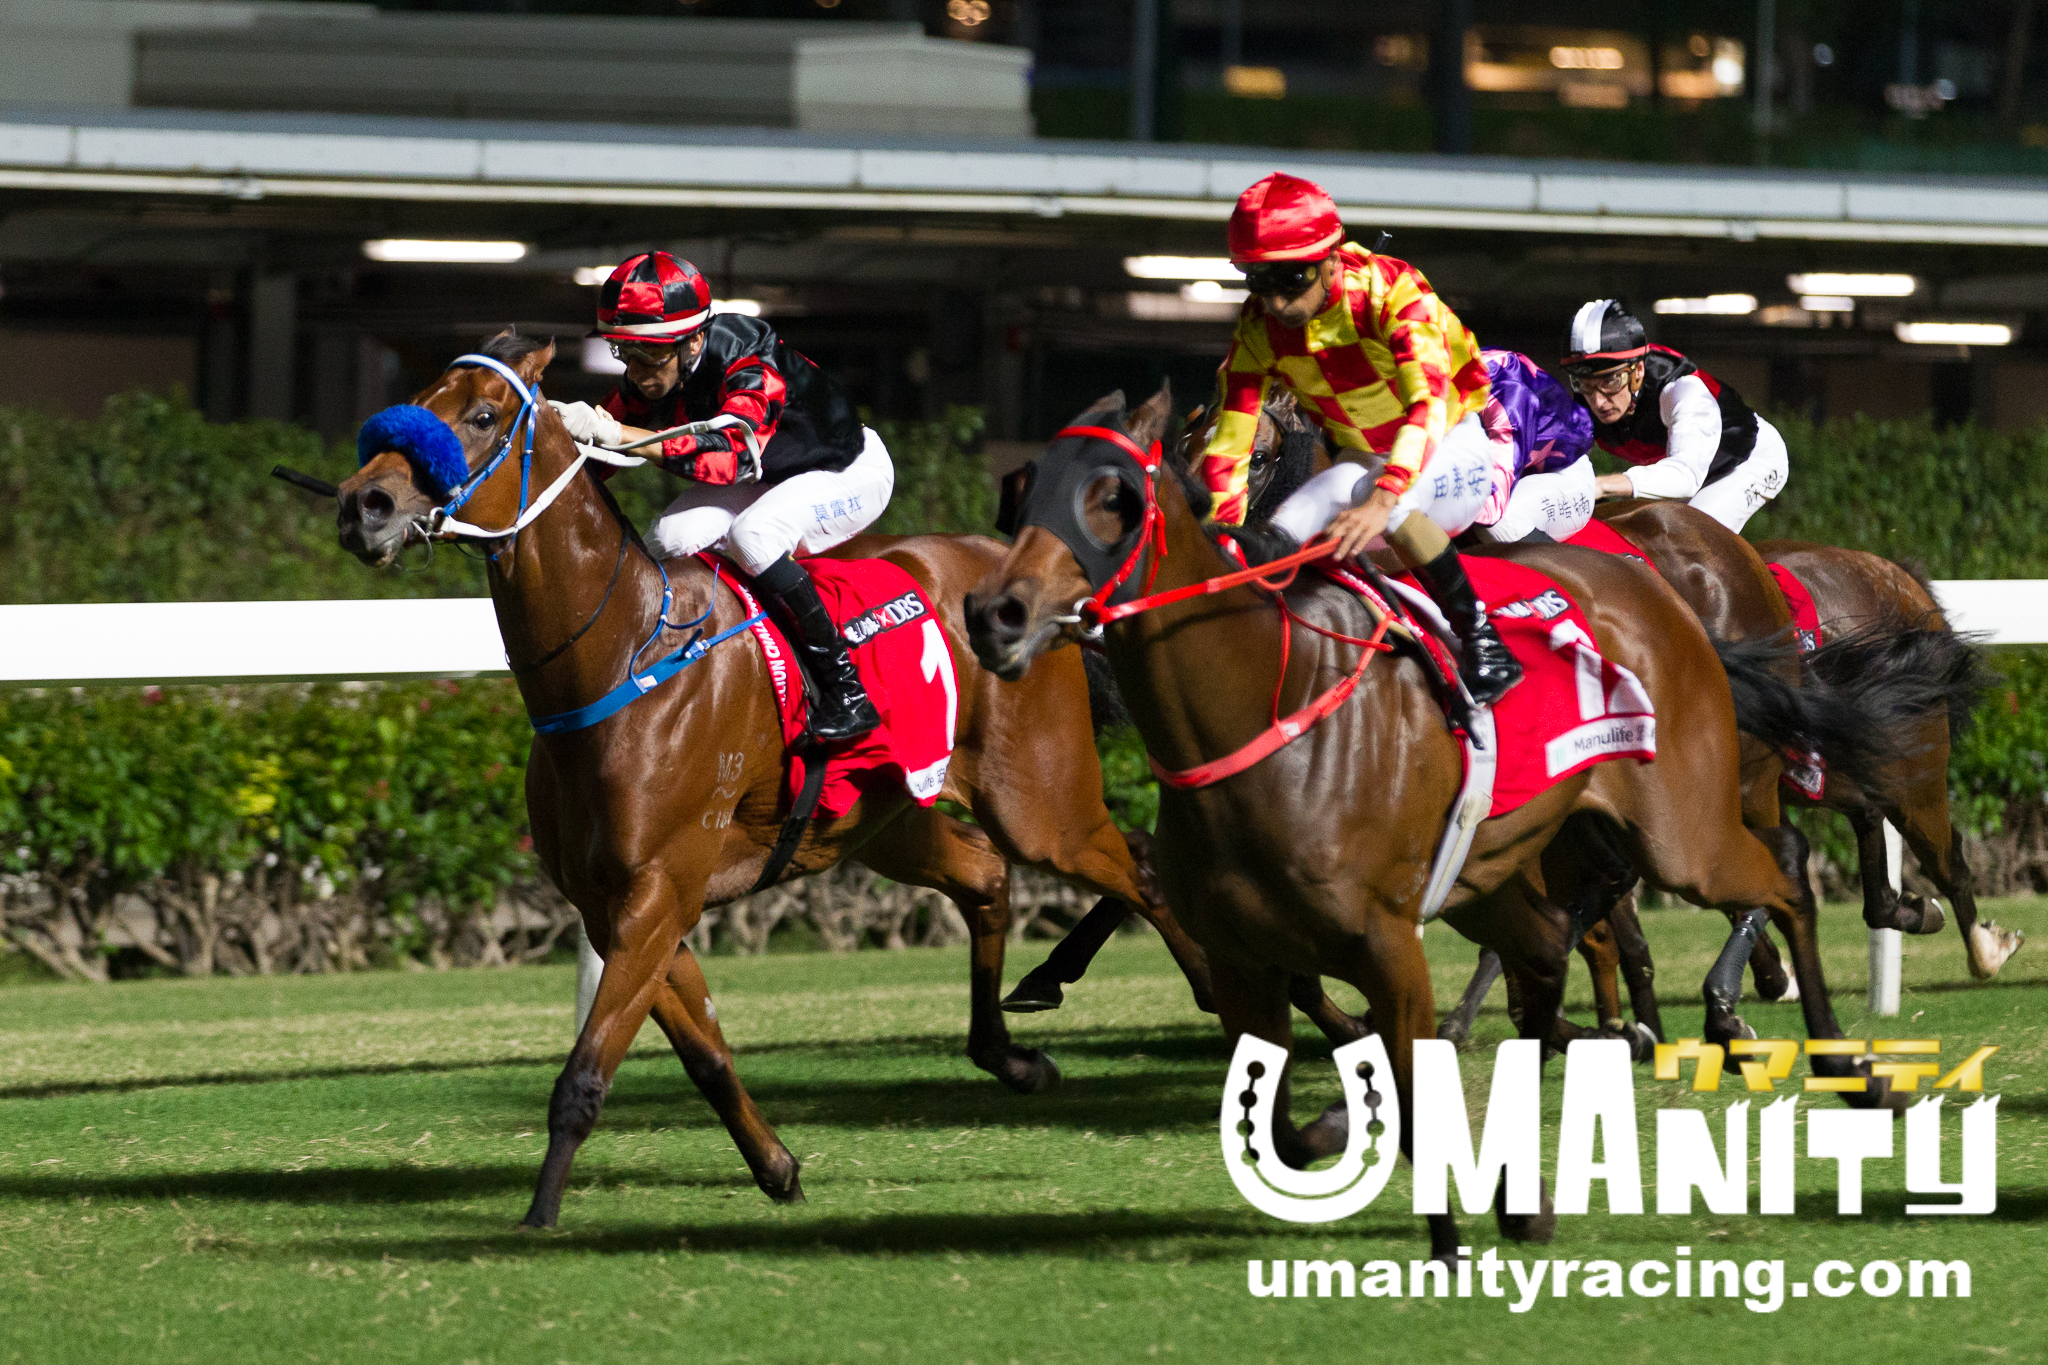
column 1284, row 218
column 653, row 297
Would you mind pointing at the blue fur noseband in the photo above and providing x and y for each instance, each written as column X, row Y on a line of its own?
column 415, row 432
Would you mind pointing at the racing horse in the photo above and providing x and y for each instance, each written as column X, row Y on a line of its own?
column 1907, row 681
column 1314, row 860
column 677, row 802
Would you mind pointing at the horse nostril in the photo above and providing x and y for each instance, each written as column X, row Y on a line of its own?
column 375, row 506
column 1008, row 612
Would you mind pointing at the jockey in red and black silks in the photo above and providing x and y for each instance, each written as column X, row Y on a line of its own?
column 1689, row 436
column 780, row 466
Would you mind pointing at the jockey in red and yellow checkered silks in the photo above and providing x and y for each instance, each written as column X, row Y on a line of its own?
column 1385, row 368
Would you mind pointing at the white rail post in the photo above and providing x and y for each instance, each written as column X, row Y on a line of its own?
column 589, row 967
column 1886, row 946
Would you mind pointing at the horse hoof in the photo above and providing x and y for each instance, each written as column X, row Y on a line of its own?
column 1032, row 997
column 1932, row 919
column 1642, row 1044
column 1455, row 1032
column 1525, row 1227
column 1990, row 947
column 1025, row 1070
column 793, row 1193
column 1791, row 992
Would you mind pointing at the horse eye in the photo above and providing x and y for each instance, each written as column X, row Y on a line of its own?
column 484, row 420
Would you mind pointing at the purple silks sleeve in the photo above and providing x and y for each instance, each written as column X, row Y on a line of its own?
column 1552, row 428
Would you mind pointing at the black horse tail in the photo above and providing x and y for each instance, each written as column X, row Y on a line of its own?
column 1896, row 672
column 1796, row 718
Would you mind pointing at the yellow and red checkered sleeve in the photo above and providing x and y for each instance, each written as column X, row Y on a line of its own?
column 1226, row 462
column 1416, row 326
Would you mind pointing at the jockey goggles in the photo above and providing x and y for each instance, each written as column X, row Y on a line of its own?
column 1282, row 278
column 1608, row 383
column 646, row 352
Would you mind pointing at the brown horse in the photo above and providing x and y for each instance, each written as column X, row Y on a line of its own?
column 1899, row 676
column 1852, row 590
column 676, row 802
column 1314, row 860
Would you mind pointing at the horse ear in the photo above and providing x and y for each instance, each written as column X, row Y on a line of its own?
column 535, row 363
column 1149, row 422
column 1109, row 407
column 1016, row 488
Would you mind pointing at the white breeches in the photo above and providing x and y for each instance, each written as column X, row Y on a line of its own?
column 1450, row 490
column 1734, row 497
column 758, row 523
column 1559, row 503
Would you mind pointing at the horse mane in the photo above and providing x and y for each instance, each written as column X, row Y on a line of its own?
column 510, row 346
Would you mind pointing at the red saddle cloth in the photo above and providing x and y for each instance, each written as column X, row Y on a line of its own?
column 1574, row 707
column 900, row 648
column 1598, row 535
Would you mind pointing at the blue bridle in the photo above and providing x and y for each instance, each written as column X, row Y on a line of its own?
column 422, row 436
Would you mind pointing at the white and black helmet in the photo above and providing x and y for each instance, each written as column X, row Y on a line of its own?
column 1603, row 335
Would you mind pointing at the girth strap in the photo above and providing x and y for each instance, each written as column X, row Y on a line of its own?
column 793, row 828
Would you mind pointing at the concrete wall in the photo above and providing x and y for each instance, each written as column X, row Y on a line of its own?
column 76, row 372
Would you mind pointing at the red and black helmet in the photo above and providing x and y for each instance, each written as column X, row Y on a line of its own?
column 1603, row 336
column 653, row 298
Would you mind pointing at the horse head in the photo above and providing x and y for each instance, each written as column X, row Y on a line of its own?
column 1080, row 515
column 416, row 457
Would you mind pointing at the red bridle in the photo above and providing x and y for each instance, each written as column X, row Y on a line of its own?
column 1270, row 578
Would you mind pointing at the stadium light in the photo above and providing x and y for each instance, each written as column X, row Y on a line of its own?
column 749, row 307
column 1181, row 268
column 1728, row 305
column 1827, row 303
column 593, row 274
column 1212, row 291
column 1853, row 286
column 1954, row 333
column 414, row 249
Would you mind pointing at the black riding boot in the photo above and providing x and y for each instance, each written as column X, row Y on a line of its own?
column 840, row 708
column 1488, row 669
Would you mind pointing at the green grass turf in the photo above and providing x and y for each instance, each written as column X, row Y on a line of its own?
column 330, row 1169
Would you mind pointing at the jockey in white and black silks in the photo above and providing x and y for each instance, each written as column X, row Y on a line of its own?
column 1543, row 485
column 785, row 465
column 1690, row 436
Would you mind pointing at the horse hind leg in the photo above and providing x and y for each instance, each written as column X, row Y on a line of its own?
column 926, row 847
column 1044, row 986
column 1638, row 970
column 1457, row 1024
column 1884, row 906
column 1939, row 847
column 683, row 1009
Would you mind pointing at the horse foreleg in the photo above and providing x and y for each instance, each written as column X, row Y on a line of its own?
column 1306, row 994
column 1457, row 1025
column 643, row 940
column 684, row 1010
column 1253, row 999
column 1393, row 975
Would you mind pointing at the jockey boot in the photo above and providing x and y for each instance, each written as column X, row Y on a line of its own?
column 1261, row 542
column 1488, row 669
column 840, row 709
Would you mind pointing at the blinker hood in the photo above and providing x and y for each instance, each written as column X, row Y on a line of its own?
column 1054, row 497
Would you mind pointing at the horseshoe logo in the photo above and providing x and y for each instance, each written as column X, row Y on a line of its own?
column 1270, row 1184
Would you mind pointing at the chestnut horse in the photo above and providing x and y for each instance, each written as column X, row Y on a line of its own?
column 676, row 802
column 1314, row 861
column 1903, row 679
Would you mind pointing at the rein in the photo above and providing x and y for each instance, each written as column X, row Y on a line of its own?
column 1095, row 611
column 525, row 424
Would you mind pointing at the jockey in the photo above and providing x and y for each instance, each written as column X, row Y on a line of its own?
column 784, row 465
column 1376, row 359
column 1689, row 435
column 1543, row 485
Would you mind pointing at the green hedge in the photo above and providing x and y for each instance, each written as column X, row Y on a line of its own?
column 152, row 503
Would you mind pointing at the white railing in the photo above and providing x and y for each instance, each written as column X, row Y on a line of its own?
column 457, row 637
